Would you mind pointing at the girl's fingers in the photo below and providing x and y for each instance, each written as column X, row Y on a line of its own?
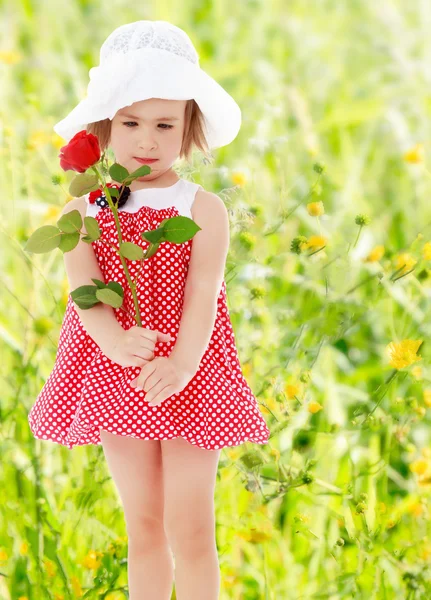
column 155, row 389
column 148, row 382
column 158, row 397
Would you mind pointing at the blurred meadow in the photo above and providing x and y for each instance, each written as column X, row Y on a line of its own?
column 328, row 278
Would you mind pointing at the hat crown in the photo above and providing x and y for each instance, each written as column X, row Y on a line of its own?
column 159, row 35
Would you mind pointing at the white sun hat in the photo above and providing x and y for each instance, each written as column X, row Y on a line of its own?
column 152, row 59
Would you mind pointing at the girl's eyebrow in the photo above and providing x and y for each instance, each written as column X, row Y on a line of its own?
column 157, row 119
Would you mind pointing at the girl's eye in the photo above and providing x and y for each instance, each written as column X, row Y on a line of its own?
column 167, row 126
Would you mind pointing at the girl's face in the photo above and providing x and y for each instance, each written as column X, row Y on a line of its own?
column 143, row 130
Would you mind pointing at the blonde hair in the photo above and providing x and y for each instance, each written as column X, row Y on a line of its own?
column 193, row 135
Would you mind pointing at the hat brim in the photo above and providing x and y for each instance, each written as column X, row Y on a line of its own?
column 153, row 73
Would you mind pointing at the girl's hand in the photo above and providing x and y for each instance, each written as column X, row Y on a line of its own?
column 161, row 378
column 134, row 347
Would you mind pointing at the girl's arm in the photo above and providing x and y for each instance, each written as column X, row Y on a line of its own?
column 81, row 265
column 204, row 279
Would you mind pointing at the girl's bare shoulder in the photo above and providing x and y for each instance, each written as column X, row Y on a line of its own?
column 207, row 202
column 76, row 204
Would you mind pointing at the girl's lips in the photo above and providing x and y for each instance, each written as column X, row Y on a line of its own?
column 146, row 161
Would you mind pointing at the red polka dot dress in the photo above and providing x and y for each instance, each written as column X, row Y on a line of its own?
column 86, row 391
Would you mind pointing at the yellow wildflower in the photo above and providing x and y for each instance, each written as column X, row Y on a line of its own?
column 315, row 209
column 92, row 560
column 239, row 178
column 419, row 466
column 292, row 390
column 417, row 373
column 375, row 254
column 424, row 480
column 233, row 454
column 275, row 452
column 10, row 57
column 65, row 289
column 227, row 475
column 38, row 138
column 421, row 411
column 316, row 241
column 271, row 403
column 52, row 213
column 405, row 260
column 415, row 154
column 426, row 251
column 246, row 370
column 76, row 586
column 425, row 553
column 314, row 407
column 403, row 354
column 49, row 567
column 427, row 397
column 24, row 548
column 57, row 141
column 255, row 535
column 3, row 555
column 415, row 508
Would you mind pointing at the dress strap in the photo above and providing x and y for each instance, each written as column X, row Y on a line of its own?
column 190, row 192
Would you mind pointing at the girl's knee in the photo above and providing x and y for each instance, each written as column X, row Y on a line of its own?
column 145, row 532
column 191, row 537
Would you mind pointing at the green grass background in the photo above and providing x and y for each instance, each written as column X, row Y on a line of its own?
column 337, row 504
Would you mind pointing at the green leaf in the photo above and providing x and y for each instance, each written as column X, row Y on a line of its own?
column 70, row 222
column 83, row 184
column 114, row 192
column 118, row 173
column 92, row 228
column 251, row 459
column 69, row 241
column 100, row 284
column 152, row 249
column 131, row 251
column 85, row 296
column 154, row 235
column 108, row 296
column 179, row 229
column 43, row 239
column 111, row 285
column 140, row 172
column 114, row 285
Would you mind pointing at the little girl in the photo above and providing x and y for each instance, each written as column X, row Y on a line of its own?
column 164, row 398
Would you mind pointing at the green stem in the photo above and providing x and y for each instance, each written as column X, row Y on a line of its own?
column 357, row 237
column 387, row 384
column 132, row 284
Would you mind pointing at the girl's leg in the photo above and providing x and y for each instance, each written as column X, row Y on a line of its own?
column 136, row 468
column 189, row 475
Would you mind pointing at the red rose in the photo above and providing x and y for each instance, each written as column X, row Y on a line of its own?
column 82, row 152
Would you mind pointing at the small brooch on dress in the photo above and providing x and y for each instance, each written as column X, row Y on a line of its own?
column 98, row 196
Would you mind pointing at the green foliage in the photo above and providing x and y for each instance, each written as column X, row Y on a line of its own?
column 336, row 506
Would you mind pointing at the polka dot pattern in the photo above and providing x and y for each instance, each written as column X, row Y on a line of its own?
column 86, row 391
